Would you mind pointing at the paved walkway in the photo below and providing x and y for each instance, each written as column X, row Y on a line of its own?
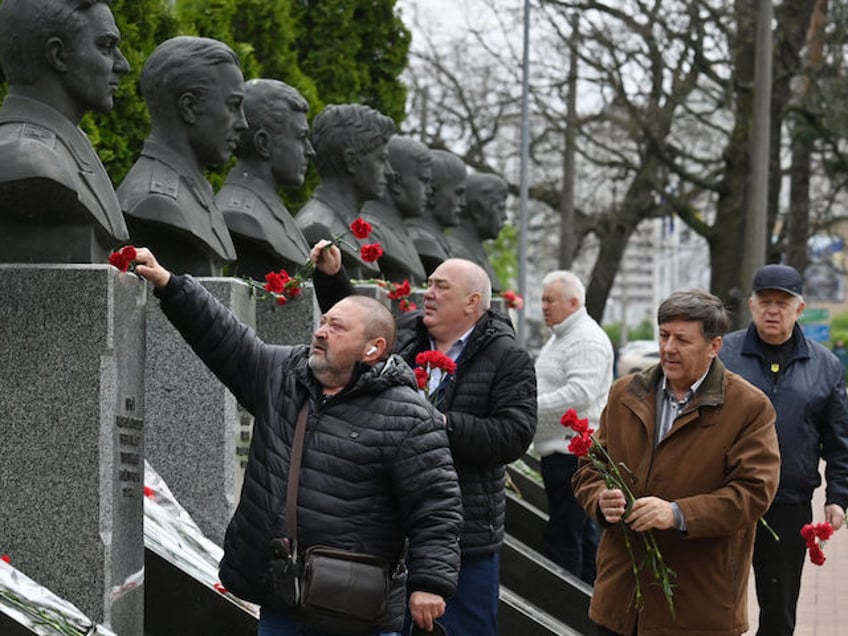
column 823, row 604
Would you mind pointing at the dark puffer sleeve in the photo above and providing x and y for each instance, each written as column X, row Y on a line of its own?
column 431, row 505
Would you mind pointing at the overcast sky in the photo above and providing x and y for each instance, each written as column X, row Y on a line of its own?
column 440, row 16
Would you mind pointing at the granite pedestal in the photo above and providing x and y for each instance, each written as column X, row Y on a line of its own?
column 289, row 324
column 72, row 343
column 197, row 433
column 372, row 291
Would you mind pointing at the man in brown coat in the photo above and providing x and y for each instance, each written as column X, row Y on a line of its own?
column 701, row 445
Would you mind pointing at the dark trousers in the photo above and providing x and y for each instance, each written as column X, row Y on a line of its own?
column 571, row 537
column 778, row 565
column 473, row 609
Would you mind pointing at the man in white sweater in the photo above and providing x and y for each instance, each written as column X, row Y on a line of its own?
column 573, row 371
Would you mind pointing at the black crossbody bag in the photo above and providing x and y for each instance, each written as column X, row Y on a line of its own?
column 333, row 590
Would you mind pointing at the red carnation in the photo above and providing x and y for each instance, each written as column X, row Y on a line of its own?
column 371, row 252
column 123, row 258
column 824, row 531
column 361, row 228
column 435, row 360
column 570, row 420
column 580, row 445
column 292, row 287
column 513, row 300
column 817, row 555
column 816, row 535
column 276, row 281
column 400, row 290
column 6, row 558
column 405, row 306
column 421, row 376
column 149, row 492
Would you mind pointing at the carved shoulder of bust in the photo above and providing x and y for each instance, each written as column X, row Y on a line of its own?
column 243, row 222
column 151, row 191
column 37, row 158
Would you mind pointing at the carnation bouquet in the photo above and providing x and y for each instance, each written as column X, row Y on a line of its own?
column 282, row 287
column 584, row 444
column 816, row 536
column 426, row 363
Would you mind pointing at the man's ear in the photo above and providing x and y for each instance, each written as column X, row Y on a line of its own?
column 351, row 160
column 375, row 350
column 472, row 305
column 715, row 346
column 262, row 143
column 188, row 107
column 54, row 54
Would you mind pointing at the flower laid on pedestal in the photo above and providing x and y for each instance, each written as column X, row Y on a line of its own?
column 583, row 444
column 816, row 536
column 397, row 291
column 426, row 363
column 513, row 300
column 282, row 287
column 123, row 258
column 36, row 608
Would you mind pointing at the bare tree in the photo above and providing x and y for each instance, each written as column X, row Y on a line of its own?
column 664, row 114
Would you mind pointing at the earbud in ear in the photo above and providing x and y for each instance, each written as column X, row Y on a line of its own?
column 373, row 349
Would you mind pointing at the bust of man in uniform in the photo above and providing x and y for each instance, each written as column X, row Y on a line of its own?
column 274, row 151
column 480, row 220
column 405, row 197
column 446, row 199
column 61, row 60
column 350, row 142
column 194, row 90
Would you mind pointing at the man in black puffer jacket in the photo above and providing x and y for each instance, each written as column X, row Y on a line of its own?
column 489, row 409
column 376, row 467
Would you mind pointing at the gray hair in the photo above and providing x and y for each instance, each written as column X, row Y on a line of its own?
column 696, row 305
column 572, row 286
column 798, row 298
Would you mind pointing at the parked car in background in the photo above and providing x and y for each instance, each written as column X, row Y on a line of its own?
column 637, row 355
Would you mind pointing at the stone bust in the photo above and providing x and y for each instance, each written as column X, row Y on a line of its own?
column 351, row 155
column 442, row 210
column 274, row 151
column 61, row 60
column 480, row 220
column 405, row 197
column 194, row 91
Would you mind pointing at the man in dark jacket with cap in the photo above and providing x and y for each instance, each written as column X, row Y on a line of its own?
column 488, row 406
column 375, row 470
column 805, row 384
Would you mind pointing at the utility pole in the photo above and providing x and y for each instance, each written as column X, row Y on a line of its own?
column 754, row 249
column 523, row 189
